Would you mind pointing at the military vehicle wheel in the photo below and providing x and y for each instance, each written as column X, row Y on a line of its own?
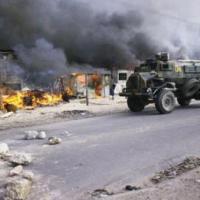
column 190, row 88
column 165, row 102
column 135, row 104
column 183, row 102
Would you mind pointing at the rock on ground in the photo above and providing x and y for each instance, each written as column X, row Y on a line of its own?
column 54, row 140
column 20, row 158
column 28, row 175
column 41, row 135
column 4, row 149
column 30, row 135
column 16, row 171
column 18, row 189
column 33, row 135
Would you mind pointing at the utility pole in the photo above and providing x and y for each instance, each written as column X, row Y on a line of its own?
column 87, row 93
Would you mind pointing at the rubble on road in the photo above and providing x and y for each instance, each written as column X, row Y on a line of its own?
column 18, row 189
column 19, row 158
column 185, row 166
column 4, row 149
column 54, row 140
column 33, row 135
column 100, row 193
column 132, row 188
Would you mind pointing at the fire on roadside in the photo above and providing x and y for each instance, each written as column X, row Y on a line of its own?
column 33, row 99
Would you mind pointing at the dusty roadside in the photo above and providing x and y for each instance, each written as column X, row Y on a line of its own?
column 174, row 187
column 184, row 187
column 76, row 109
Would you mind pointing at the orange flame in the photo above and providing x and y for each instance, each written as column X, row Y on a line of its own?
column 30, row 99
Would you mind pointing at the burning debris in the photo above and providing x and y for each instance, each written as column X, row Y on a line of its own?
column 23, row 99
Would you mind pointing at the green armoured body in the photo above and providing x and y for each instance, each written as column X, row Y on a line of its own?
column 160, row 81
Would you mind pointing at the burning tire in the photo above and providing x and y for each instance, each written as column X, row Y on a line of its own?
column 183, row 102
column 135, row 104
column 165, row 102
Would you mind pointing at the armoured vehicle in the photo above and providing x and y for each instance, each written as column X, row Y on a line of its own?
column 161, row 81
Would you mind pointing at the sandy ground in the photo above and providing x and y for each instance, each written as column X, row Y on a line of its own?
column 185, row 187
column 62, row 111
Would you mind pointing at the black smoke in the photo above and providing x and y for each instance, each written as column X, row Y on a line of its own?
column 48, row 36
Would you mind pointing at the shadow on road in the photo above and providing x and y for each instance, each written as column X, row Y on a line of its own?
column 151, row 111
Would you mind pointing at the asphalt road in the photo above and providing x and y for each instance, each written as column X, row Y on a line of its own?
column 108, row 151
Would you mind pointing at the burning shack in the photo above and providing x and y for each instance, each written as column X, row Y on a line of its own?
column 96, row 82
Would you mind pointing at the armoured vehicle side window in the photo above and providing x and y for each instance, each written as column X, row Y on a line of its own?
column 190, row 69
column 166, row 67
column 147, row 67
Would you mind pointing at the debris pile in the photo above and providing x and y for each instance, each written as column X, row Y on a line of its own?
column 185, row 166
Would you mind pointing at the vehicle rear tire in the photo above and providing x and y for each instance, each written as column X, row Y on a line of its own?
column 190, row 88
column 183, row 102
column 135, row 104
column 165, row 102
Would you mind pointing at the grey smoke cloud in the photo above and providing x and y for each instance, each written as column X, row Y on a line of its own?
column 99, row 33
column 42, row 63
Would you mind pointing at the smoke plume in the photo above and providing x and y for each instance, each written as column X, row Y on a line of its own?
column 50, row 35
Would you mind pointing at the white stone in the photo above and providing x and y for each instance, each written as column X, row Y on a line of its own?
column 4, row 149
column 31, row 135
column 20, row 158
column 41, row 135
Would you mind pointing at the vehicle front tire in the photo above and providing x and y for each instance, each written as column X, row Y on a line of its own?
column 165, row 102
column 183, row 102
column 135, row 104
